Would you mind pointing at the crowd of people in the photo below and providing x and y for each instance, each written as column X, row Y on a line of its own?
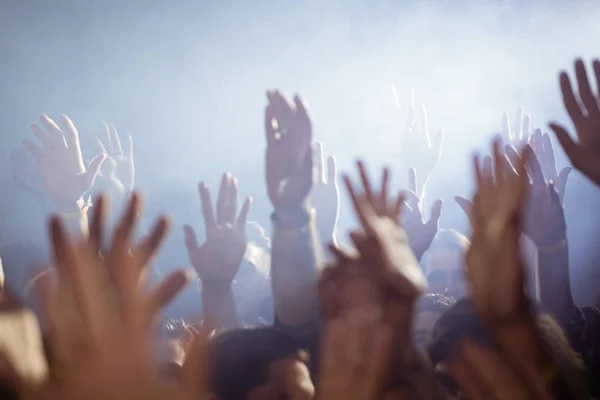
column 408, row 311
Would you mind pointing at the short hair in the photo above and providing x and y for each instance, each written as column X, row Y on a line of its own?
column 461, row 322
column 446, row 239
column 241, row 357
column 435, row 302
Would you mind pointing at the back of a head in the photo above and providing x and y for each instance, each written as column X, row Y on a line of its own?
column 461, row 322
column 241, row 357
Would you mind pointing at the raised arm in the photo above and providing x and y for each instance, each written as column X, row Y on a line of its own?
column 218, row 259
column 65, row 178
column 289, row 175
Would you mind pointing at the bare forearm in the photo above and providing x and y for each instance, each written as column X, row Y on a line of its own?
column 294, row 268
column 555, row 282
column 218, row 306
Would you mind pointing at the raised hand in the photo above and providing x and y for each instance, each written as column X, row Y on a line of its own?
column 542, row 147
column 519, row 135
column 420, row 233
column 120, row 158
column 585, row 114
column 544, row 217
column 107, row 311
column 218, row 259
column 384, row 244
column 61, row 165
column 289, row 161
column 417, row 150
column 493, row 259
column 325, row 198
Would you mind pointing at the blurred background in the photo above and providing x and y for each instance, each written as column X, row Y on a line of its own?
column 187, row 80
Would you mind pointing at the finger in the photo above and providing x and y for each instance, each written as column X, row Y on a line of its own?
column 107, row 139
column 101, row 146
column 570, row 101
column 513, row 156
column 385, row 182
column 320, row 161
column 506, row 132
column 487, row 172
column 366, row 183
column 55, row 133
column 436, row 213
column 190, row 238
column 561, row 183
column 93, row 170
column 122, row 238
column 241, row 220
column 585, row 91
column 412, row 199
column 570, row 147
column 351, row 191
column 116, row 141
column 533, row 166
column 164, row 292
column 146, row 250
column 549, row 158
column 207, row 208
column 477, row 170
column 47, row 142
column 596, row 67
column 507, row 168
column 232, row 199
column 398, row 207
column 129, row 147
column 223, row 198
column 518, row 124
column 97, row 223
column 412, row 180
column 498, row 164
column 538, row 144
column 424, row 124
column 33, row 149
column 332, row 171
column 301, row 107
column 464, row 205
column 526, row 128
column 70, row 133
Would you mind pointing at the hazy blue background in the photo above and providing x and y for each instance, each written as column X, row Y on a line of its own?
column 187, row 79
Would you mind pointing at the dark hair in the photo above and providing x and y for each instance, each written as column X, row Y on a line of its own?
column 241, row 357
column 461, row 322
column 435, row 302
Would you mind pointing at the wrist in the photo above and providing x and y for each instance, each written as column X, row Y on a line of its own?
column 214, row 288
column 286, row 218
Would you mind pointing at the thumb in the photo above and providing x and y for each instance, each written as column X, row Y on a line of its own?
column 561, row 182
column 464, row 204
column 93, row 169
